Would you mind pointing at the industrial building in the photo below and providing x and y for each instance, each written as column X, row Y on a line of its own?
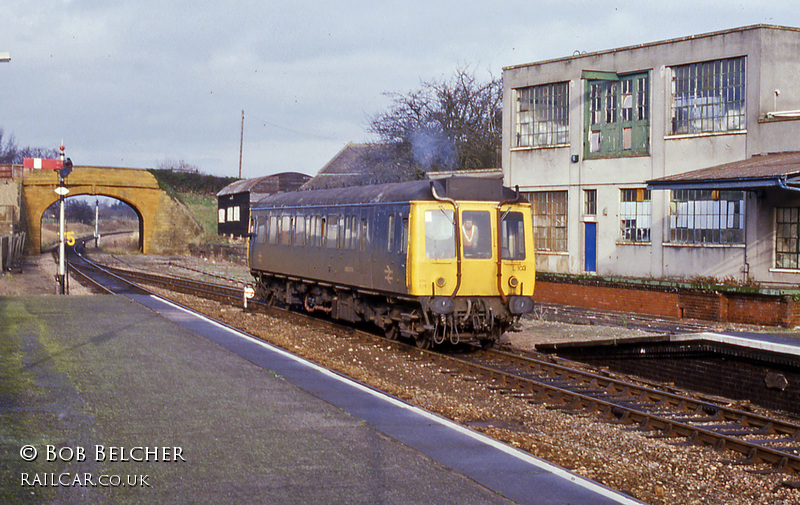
column 676, row 159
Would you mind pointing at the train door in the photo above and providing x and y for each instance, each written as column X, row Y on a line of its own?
column 389, row 250
column 363, row 217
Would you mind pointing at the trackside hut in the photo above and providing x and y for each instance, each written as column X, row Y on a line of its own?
column 235, row 199
column 674, row 159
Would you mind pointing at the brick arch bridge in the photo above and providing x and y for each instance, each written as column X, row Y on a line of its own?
column 165, row 224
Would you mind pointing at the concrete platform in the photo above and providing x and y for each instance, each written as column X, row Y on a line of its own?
column 107, row 399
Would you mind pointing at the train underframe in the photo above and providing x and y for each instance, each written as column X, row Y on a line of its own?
column 428, row 321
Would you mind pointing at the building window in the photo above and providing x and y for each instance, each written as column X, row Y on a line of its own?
column 708, row 97
column 589, row 202
column 550, row 220
column 543, row 115
column 221, row 216
column 787, row 238
column 618, row 115
column 704, row 216
column 634, row 215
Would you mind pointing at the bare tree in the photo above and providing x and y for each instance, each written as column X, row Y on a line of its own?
column 449, row 125
column 12, row 153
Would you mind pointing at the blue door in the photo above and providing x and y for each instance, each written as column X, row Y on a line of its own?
column 590, row 247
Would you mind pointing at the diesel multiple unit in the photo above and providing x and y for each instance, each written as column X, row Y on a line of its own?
column 439, row 261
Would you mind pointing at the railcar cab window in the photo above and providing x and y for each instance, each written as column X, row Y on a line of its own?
column 512, row 237
column 440, row 237
column 476, row 234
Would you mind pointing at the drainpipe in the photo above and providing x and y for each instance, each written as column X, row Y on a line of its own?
column 500, row 243
column 458, row 235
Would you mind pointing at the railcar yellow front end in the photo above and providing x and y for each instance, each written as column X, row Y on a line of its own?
column 472, row 265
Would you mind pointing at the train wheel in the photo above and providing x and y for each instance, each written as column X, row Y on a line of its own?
column 391, row 332
column 422, row 341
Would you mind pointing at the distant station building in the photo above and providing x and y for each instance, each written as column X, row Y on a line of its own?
column 234, row 200
column 668, row 160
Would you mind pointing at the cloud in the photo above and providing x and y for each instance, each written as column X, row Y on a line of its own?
column 135, row 82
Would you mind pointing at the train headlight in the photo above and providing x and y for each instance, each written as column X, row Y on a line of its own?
column 441, row 305
column 520, row 304
column 513, row 282
column 441, row 282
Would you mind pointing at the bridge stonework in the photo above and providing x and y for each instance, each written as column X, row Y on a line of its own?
column 165, row 224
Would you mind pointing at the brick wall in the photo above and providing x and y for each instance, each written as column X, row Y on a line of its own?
column 708, row 305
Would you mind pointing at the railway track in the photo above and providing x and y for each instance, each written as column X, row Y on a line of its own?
column 559, row 384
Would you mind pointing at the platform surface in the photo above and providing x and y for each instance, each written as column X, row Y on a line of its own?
column 169, row 407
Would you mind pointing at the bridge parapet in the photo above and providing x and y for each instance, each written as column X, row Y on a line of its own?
column 165, row 224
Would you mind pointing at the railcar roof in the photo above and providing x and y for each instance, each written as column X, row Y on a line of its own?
column 457, row 188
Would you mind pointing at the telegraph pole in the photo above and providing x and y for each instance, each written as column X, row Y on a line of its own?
column 241, row 143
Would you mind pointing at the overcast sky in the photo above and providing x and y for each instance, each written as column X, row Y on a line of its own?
column 138, row 83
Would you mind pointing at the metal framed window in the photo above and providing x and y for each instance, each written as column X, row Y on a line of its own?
column 709, row 96
column 634, row 215
column 617, row 115
column 589, row 202
column 787, row 238
column 550, row 220
column 543, row 115
column 704, row 216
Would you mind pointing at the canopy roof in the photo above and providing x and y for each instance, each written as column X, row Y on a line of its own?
column 760, row 171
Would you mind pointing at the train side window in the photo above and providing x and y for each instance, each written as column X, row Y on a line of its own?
column 476, row 234
column 404, row 238
column 286, row 230
column 390, row 234
column 363, row 234
column 310, row 230
column 332, row 237
column 300, row 231
column 347, row 232
column 261, row 230
column 341, row 232
column 355, row 233
column 440, row 234
column 319, row 231
column 512, row 237
column 273, row 229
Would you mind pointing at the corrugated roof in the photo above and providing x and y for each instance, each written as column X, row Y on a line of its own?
column 284, row 181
